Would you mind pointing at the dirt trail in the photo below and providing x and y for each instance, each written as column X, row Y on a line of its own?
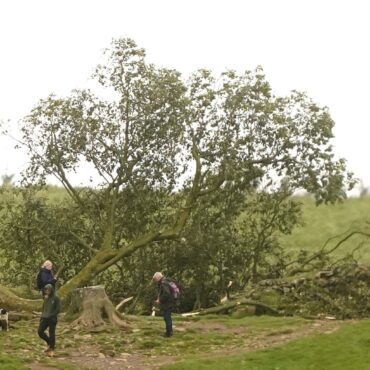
column 88, row 357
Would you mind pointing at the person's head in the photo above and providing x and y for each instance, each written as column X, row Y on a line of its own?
column 157, row 276
column 47, row 265
column 48, row 290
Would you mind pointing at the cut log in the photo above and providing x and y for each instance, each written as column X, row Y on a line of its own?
column 262, row 308
column 94, row 308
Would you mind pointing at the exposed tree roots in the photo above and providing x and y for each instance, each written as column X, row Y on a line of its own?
column 94, row 308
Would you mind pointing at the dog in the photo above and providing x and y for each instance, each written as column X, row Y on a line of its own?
column 4, row 320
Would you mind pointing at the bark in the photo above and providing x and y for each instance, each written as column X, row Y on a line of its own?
column 260, row 307
column 197, row 304
column 24, row 315
column 94, row 308
column 12, row 302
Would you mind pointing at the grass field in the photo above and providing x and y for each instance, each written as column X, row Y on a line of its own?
column 196, row 339
column 346, row 349
column 327, row 221
column 10, row 363
column 210, row 342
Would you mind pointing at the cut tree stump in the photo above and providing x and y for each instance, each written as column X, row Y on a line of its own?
column 94, row 308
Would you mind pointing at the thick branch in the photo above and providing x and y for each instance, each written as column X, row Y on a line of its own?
column 246, row 302
column 83, row 243
column 14, row 303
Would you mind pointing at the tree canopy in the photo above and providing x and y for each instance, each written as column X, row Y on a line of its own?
column 160, row 143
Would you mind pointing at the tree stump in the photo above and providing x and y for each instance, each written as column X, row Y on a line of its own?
column 94, row 308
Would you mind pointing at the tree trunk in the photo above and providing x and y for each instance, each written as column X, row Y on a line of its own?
column 86, row 274
column 93, row 306
column 12, row 302
column 198, row 298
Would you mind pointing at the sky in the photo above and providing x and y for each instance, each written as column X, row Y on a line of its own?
column 320, row 47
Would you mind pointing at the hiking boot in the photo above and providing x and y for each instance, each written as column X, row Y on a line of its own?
column 167, row 335
column 50, row 353
column 47, row 349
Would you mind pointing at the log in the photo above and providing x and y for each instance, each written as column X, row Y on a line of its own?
column 93, row 307
column 12, row 302
column 129, row 299
column 17, row 316
column 226, row 307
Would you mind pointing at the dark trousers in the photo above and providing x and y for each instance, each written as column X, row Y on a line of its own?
column 50, row 323
column 168, row 320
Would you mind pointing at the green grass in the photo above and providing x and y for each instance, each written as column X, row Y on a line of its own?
column 346, row 349
column 327, row 221
column 203, row 343
column 192, row 337
column 11, row 363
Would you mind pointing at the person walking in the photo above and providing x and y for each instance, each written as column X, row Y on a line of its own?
column 49, row 318
column 165, row 300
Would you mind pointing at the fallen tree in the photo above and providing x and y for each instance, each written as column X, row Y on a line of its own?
column 342, row 292
column 12, row 302
column 340, row 289
column 225, row 308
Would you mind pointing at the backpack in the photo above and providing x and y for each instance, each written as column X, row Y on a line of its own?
column 174, row 289
column 39, row 284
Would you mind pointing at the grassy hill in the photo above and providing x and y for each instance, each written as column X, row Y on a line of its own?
column 327, row 221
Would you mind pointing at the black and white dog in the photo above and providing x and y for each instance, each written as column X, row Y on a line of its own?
column 4, row 321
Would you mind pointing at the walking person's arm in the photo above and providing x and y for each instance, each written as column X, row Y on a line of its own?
column 56, row 307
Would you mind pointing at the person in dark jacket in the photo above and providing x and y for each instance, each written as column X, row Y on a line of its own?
column 49, row 318
column 46, row 276
column 165, row 301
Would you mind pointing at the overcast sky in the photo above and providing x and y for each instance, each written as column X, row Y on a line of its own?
column 321, row 47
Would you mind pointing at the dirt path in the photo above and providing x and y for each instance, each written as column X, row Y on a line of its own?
column 95, row 361
column 280, row 338
column 89, row 357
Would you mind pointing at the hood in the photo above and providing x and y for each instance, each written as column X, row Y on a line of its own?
column 51, row 288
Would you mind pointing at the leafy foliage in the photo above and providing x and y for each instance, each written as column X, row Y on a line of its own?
column 174, row 159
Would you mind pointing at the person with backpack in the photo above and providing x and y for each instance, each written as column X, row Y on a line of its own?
column 49, row 318
column 45, row 276
column 168, row 293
